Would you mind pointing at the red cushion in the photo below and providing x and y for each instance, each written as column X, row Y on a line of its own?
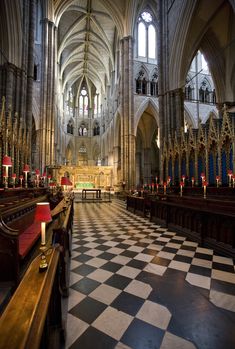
column 28, row 238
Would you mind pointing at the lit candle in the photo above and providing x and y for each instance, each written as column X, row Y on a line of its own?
column 233, row 178
column 217, row 181
column 164, row 185
column 192, row 179
column 37, row 176
column 183, row 178
column 205, row 185
column 181, row 188
column 230, row 173
column 21, row 179
column 26, row 170
column 14, row 179
column 152, row 186
column 157, row 185
column 202, row 177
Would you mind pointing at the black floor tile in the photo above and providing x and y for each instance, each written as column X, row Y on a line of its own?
column 111, row 266
column 94, row 339
column 184, row 259
column 85, row 285
column 169, row 249
column 99, row 241
column 141, row 244
column 135, row 263
column 141, row 335
column 102, row 248
column 195, row 269
column 107, row 255
column 118, row 281
column 223, row 267
column 88, row 309
column 188, row 248
column 84, row 269
column 222, row 286
column 161, row 261
column 150, row 252
column 130, row 254
column 82, row 258
column 81, row 249
column 128, row 303
column 124, row 246
column 205, row 256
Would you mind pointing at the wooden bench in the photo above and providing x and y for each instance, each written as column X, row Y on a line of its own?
column 62, row 235
column 210, row 222
column 33, row 317
column 18, row 236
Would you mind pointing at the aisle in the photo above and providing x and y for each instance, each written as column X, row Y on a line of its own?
column 136, row 285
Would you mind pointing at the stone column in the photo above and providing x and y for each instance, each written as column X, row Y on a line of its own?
column 47, row 101
column 127, row 113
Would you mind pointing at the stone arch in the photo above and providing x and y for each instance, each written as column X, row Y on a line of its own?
column 188, row 39
column 147, row 103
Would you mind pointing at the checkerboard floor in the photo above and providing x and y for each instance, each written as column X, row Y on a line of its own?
column 134, row 284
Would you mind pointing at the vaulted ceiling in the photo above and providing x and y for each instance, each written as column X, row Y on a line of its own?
column 86, row 44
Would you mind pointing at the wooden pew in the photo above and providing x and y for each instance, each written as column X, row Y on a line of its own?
column 19, row 244
column 138, row 205
column 210, row 222
column 63, row 236
column 33, row 317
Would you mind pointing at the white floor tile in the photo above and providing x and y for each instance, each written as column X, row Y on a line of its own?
column 154, row 314
column 113, row 322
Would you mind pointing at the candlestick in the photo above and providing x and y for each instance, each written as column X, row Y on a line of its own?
column 181, row 188
column 183, row 178
column 164, row 185
column 217, row 181
column 192, row 179
column 204, row 186
column 230, row 173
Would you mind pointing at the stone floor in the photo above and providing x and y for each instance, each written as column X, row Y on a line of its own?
column 136, row 285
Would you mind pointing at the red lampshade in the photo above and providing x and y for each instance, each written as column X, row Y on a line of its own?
column 6, row 161
column 202, row 174
column 43, row 212
column 230, row 172
column 217, row 177
column 205, row 183
column 13, row 175
column 37, row 172
column 182, row 184
column 65, row 181
column 44, row 174
column 21, row 177
column 49, row 176
column 26, row 168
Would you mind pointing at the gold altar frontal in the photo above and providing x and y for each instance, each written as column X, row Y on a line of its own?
column 85, row 177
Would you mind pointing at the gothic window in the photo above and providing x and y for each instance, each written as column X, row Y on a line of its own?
column 141, row 83
column 83, row 103
column 82, row 131
column 204, row 91
column 70, row 127
column 213, row 97
column 96, row 130
column 146, row 33
column 188, row 90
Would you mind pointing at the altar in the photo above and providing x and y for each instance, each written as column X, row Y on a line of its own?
column 87, row 177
